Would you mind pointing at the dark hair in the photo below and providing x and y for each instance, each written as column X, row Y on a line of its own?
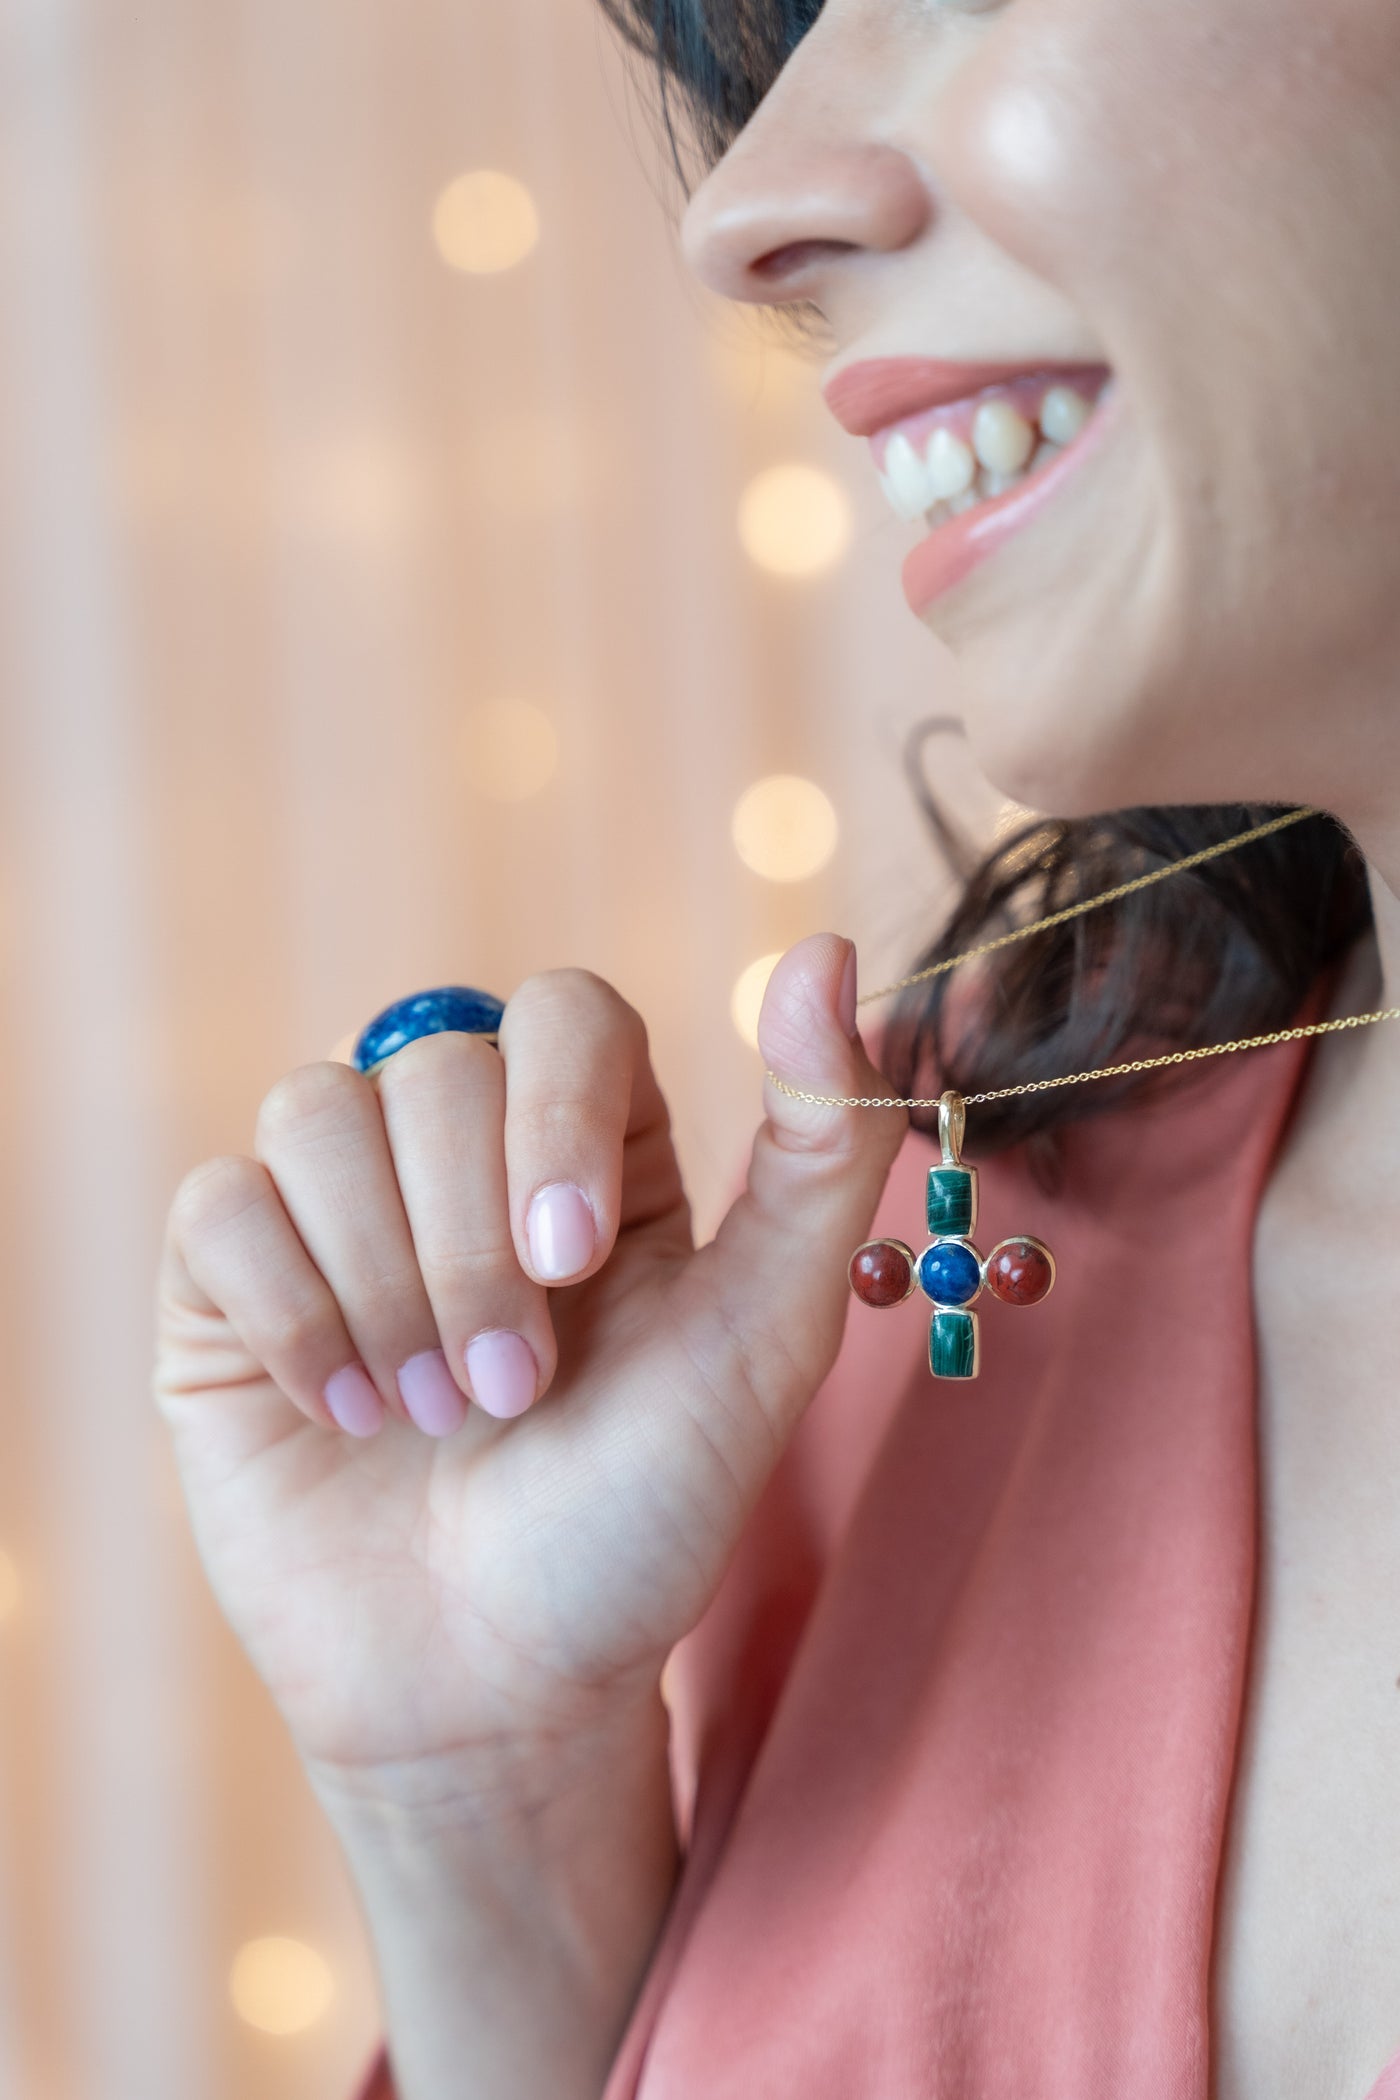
column 1230, row 948
column 722, row 56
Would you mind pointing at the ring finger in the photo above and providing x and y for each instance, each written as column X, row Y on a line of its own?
column 321, row 1137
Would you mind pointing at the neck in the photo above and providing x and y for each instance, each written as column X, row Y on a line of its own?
column 1354, row 1084
column 1385, row 903
column 1372, row 975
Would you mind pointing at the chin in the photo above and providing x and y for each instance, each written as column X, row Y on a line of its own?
column 1095, row 705
column 1056, row 738
column 1079, row 672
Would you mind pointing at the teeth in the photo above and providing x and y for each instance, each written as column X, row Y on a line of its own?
column 1063, row 414
column 913, row 482
column 949, row 463
column 906, row 483
column 1001, row 437
column 989, row 484
column 950, row 476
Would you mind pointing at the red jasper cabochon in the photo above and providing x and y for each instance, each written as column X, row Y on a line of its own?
column 882, row 1272
column 1019, row 1272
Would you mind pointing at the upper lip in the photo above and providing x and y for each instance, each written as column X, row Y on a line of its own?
column 869, row 396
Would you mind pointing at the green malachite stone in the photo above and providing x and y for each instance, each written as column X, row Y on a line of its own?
column 952, row 1201
column 952, row 1345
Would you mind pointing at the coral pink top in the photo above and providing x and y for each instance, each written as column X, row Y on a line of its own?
column 953, row 1744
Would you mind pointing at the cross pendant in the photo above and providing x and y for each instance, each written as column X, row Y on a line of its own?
column 950, row 1271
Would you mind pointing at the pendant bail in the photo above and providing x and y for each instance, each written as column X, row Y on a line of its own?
column 952, row 1122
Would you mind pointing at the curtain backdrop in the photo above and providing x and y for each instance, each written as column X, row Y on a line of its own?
column 288, row 505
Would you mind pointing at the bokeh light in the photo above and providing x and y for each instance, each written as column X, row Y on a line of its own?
column 485, row 221
column 509, row 749
column 9, row 1588
column 280, row 1986
column 784, row 827
column 794, row 520
column 746, row 999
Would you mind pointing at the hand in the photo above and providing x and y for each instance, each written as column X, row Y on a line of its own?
column 428, row 1605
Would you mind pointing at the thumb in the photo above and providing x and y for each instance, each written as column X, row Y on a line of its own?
column 815, row 1175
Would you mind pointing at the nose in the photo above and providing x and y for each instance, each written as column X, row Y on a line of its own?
column 805, row 187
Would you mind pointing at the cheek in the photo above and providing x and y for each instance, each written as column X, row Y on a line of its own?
column 1027, row 127
column 1211, row 185
column 1127, row 149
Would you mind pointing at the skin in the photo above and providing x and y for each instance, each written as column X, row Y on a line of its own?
column 1200, row 193
column 464, row 1633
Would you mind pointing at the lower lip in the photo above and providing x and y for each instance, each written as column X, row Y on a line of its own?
column 956, row 546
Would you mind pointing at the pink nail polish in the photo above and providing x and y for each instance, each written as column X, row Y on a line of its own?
column 430, row 1393
column 559, row 1227
column 503, row 1372
column 353, row 1402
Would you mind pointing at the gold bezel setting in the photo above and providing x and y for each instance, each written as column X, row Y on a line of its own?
column 886, row 1239
column 953, row 1239
column 1020, row 1239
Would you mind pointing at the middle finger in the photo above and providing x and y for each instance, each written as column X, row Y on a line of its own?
column 443, row 1098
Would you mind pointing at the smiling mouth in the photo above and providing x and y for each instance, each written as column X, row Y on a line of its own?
column 943, row 461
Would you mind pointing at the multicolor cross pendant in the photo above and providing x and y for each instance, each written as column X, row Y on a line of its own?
column 950, row 1271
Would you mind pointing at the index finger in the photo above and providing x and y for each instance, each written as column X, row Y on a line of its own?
column 579, row 1091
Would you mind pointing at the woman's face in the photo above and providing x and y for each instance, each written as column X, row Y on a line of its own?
column 1204, row 195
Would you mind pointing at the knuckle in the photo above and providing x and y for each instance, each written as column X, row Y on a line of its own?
column 429, row 1059
column 391, row 1290
column 568, row 985
column 573, row 980
column 300, row 1334
column 450, row 1266
column 573, row 1022
column 308, row 1097
column 215, row 1195
column 630, row 1024
column 550, row 1126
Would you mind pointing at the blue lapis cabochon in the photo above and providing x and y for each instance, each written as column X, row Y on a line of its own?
column 949, row 1272
column 451, row 1006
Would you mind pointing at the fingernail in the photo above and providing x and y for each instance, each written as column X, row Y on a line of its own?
column 559, row 1227
column 353, row 1401
column 846, row 997
column 430, row 1393
column 501, row 1366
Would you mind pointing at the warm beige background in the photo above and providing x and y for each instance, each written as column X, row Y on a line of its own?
column 282, row 498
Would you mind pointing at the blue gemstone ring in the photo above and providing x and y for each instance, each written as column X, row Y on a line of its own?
column 455, row 1007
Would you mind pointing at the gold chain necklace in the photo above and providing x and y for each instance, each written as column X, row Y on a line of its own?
column 1019, row 1270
